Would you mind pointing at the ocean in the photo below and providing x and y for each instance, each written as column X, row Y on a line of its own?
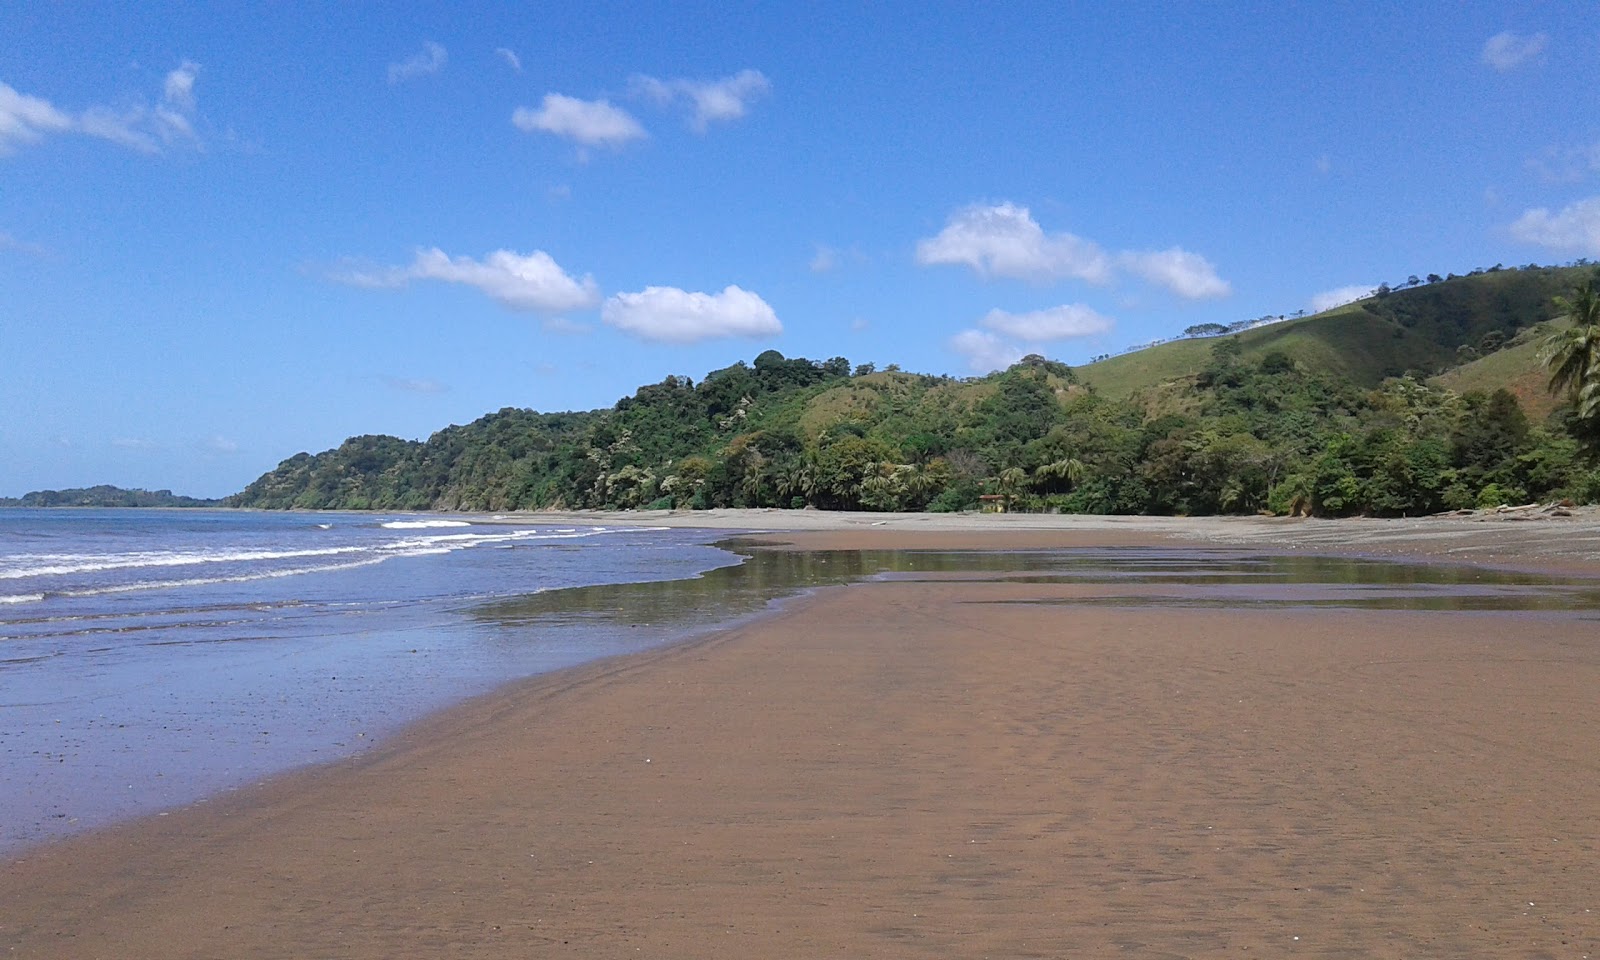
column 153, row 658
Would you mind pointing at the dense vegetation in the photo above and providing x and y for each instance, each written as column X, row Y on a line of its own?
column 1332, row 415
column 104, row 496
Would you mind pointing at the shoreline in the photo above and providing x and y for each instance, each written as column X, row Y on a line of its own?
column 673, row 799
column 1511, row 541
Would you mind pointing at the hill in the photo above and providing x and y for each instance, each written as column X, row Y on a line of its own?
column 1514, row 367
column 1422, row 330
column 105, row 496
column 1239, row 435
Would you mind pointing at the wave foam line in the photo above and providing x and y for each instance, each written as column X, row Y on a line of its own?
column 80, row 563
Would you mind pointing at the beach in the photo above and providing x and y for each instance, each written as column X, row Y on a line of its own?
column 958, row 766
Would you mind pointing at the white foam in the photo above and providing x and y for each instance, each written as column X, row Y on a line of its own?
column 48, row 565
column 55, row 565
column 207, row 581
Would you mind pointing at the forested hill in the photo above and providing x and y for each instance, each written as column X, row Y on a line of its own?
column 104, row 496
column 1237, row 428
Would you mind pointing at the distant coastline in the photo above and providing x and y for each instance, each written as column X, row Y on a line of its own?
column 105, row 495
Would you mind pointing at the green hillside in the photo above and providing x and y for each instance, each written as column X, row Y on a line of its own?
column 1514, row 367
column 1419, row 330
column 1327, row 414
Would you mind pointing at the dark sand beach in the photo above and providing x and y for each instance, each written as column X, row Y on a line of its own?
column 916, row 768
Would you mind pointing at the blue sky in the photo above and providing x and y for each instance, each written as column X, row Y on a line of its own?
column 229, row 233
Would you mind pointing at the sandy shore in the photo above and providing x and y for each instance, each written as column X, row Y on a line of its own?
column 914, row 769
column 1517, row 539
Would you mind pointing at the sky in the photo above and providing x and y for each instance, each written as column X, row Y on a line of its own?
column 233, row 232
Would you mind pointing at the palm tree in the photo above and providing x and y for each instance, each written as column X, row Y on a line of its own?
column 1572, row 355
column 1070, row 469
column 1011, row 480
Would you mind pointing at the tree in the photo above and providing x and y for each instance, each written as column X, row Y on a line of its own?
column 1069, row 469
column 1572, row 355
column 1011, row 481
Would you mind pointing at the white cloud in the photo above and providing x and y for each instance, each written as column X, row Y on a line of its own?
column 671, row 315
column 124, row 128
column 1186, row 274
column 26, row 119
column 826, row 259
column 984, row 351
column 1329, row 299
column 711, row 101
column 532, row 282
column 510, row 57
column 1004, row 241
column 1506, row 51
column 1056, row 323
column 593, row 123
column 134, row 443
column 1576, row 227
column 218, row 444
column 429, row 61
column 179, row 88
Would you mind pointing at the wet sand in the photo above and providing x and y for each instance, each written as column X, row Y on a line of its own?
column 915, row 769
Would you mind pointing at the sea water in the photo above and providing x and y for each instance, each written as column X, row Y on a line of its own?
column 151, row 658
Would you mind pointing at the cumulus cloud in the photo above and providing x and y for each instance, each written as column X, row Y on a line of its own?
column 429, row 61
column 592, row 123
column 1186, row 274
column 1328, row 299
column 1005, row 241
column 1507, row 51
column 710, row 101
column 1576, row 227
column 1056, row 323
column 671, row 315
column 139, row 126
column 531, row 282
column 997, row 345
column 984, row 351
column 510, row 57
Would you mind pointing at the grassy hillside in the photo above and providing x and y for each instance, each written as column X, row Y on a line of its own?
column 1419, row 330
column 1515, row 368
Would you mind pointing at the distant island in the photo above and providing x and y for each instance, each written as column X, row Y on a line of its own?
column 105, row 495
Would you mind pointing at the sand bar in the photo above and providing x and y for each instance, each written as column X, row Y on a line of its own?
column 918, row 769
